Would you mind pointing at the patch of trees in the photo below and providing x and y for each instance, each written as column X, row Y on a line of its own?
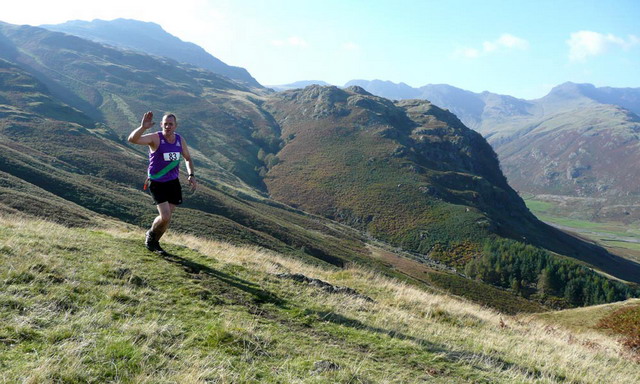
column 528, row 271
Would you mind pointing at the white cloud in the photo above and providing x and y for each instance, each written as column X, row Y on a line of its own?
column 292, row 41
column 583, row 44
column 489, row 46
column 504, row 42
column 510, row 41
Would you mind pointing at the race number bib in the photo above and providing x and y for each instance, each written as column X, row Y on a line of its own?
column 171, row 156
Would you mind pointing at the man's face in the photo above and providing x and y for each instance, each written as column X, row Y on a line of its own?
column 169, row 124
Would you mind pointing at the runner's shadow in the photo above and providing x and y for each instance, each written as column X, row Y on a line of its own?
column 192, row 267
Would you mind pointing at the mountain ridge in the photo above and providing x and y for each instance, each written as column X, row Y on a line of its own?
column 151, row 38
column 451, row 97
column 531, row 136
column 297, row 84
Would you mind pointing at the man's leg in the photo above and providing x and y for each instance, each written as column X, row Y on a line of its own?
column 159, row 226
column 162, row 221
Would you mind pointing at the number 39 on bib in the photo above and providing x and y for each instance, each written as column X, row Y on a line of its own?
column 171, row 156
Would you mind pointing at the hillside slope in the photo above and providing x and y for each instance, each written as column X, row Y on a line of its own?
column 113, row 87
column 576, row 149
column 352, row 155
column 409, row 173
column 586, row 319
column 93, row 305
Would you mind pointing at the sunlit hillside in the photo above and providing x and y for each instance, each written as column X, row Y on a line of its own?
column 92, row 305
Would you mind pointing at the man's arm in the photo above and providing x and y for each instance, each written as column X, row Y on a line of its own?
column 138, row 137
column 189, row 162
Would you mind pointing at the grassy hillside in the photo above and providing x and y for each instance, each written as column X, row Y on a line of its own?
column 69, row 175
column 585, row 319
column 92, row 305
column 56, row 163
column 620, row 320
column 626, row 323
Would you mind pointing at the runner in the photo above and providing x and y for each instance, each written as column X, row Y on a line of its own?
column 166, row 148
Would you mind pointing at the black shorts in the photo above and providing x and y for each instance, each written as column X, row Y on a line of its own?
column 170, row 191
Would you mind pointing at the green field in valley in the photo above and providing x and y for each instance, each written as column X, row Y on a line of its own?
column 618, row 237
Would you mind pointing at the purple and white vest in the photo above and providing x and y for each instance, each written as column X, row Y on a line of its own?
column 165, row 160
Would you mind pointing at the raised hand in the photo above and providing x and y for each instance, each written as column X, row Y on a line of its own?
column 147, row 120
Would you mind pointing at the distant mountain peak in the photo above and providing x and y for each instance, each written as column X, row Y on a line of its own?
column 151, row 38
column 386, row 89
column 120, row 20
column 297, row 85
column 573, row 89
column 359, row 90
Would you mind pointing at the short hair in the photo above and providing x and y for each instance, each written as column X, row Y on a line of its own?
column 167, row 115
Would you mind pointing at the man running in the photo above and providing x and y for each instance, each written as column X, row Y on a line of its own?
column 165, row 150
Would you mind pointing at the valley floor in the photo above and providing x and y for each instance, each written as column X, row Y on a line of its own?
column 93, row 305
column 618, row 238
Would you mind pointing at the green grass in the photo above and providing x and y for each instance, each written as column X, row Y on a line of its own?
column 610, row 228
column 620, row 319
column 620, row 244
column 91, row 305
column 478, row 292
column 538, row 206
column 584, row 319
column 600, row 231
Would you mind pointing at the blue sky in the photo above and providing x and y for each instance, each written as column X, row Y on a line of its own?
column 520, row 48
